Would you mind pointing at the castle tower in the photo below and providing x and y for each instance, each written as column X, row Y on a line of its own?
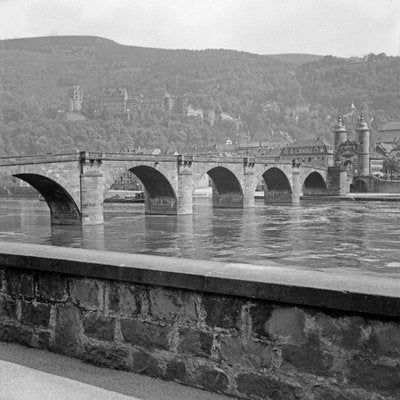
column 75, row 99
column 362, row 130
column 340, row 135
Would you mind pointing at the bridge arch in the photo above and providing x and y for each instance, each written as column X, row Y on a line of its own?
column 314, row 185
column 277, row 187
column 63, row 208
column 227, row 190
column 160, row 195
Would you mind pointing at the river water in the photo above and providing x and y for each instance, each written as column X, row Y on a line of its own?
column 351, row 235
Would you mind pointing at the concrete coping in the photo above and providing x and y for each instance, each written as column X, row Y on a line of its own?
column 338, row 290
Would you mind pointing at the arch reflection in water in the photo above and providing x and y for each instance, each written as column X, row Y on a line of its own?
column 87, row 237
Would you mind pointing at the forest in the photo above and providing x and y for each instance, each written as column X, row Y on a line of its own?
column 298, row 94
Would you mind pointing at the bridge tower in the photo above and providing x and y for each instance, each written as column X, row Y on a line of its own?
column 362, row 130
column 340, row 133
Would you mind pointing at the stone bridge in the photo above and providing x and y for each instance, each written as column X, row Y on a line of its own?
column 74, row 185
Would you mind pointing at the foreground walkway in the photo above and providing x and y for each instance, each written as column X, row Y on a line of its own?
column 31, row 374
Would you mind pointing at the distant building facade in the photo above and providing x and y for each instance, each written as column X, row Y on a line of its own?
column 317, row 151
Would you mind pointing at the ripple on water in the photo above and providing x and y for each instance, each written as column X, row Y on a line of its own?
column 328, row 236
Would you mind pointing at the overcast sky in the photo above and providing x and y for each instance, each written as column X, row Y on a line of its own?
column 338, row 27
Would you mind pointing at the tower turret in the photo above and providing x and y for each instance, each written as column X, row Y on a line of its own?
column 362, row 130
column 340, row 135
column 75, row 99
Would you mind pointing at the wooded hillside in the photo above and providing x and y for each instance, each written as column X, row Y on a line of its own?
column 263, row 91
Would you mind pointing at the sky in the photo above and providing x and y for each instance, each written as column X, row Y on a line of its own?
column 342, row 28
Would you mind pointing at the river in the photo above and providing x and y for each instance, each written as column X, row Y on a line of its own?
column 352, row 235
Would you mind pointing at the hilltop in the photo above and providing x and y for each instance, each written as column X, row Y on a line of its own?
column 294, row 93
column 296, row 58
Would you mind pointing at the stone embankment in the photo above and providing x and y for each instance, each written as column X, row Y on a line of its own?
column 251, row 332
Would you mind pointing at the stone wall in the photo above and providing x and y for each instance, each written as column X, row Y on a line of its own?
column 247, row 331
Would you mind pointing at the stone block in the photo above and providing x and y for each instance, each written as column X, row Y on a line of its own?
column 333, row 393
column 383, row 379
column 43, row 341
column 286, row 325
column 85, row 293
column 144, row 363
column 8, row 308
column 37, row 314
column 52, row 287
column 113, row 297
column 222, row 312
column 212, row 379
column 145, row 334
column 263, row 387
column 167, row 304
column 260, row 313
column 195, row 342
column 114, row 357
column 385, row 339
column 344, row 332
column 68, row 329
column 176, row 371
column 125, row 300
column 98, row 326
column 19, row 283
column 16, row 334
column 308, row 358
column 245, row 353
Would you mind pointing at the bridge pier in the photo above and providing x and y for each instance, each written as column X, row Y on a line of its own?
column 249, row 189
column 249, row 182
column 91, row 198
column 185, row 192
column 296, row 185
column 91, row 188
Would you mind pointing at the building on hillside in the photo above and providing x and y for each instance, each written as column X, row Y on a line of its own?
column 127, row 181
column 317, row 151
column 389, row 132
column 112, row 103
column 195, row 112
column 303, row 109
column 180, row 106
column 271, row 106
column 75, row 99
column 141, row 107
column 209, row 116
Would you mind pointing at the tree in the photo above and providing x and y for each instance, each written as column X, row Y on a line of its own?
column 390, row 165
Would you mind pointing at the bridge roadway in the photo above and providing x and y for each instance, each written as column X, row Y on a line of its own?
column 74, row 184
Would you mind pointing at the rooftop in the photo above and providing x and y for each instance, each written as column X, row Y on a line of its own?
column 390, row 126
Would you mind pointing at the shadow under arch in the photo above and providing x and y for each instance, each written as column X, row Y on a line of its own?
column 227, row 191
column 63, row 209
column 359, row 186
column 314, row 185
column 277, row 188
column 160, row 197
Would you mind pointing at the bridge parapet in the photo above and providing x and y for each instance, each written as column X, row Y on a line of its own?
column 39, row 159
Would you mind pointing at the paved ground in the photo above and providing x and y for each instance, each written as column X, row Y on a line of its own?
column 31, row 374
